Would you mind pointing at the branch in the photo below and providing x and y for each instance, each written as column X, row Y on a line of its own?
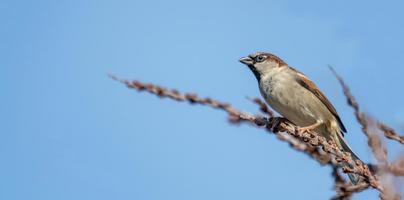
column 361, row 117
column 311, row 143
column 374, row 142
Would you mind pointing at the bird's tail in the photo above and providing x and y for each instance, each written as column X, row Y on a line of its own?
column 355, row 178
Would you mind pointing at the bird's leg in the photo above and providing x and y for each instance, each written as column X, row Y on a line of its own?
column 309, row 128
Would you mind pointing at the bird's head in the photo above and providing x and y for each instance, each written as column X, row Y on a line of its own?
column 261, row 63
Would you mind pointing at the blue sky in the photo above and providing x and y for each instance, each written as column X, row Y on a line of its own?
column 70, row 132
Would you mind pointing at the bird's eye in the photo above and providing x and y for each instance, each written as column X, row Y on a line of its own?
column 259, row 58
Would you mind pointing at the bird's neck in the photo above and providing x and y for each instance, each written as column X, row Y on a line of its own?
column 274, row 73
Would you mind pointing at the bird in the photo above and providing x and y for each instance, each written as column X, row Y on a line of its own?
column 294, row 96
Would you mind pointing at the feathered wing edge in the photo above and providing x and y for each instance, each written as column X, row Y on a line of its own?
column 355, row 178
column 339, row 135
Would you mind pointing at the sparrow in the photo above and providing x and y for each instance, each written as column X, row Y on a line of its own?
column 295, row 97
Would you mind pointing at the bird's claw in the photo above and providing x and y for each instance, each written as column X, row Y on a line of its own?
column 308, row 129
column 302, row 130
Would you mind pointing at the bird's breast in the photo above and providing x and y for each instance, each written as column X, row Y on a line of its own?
column 287, row 97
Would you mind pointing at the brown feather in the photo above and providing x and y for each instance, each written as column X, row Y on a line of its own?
column 275, row 58
column 309, row 85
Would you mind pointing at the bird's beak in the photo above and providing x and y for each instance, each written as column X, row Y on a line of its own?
column 246, row 60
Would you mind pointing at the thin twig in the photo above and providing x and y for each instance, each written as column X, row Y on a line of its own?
column 397, row 167
column 374, row 141
column 390, row 133
column 263, row 106
column 361, row 117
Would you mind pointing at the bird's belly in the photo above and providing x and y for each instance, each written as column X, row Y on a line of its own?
column 297, row 115
column 296, row 104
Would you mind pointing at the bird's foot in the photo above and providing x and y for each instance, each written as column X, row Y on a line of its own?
column 307, row 129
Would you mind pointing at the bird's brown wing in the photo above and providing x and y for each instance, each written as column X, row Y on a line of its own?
column 309, row 85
